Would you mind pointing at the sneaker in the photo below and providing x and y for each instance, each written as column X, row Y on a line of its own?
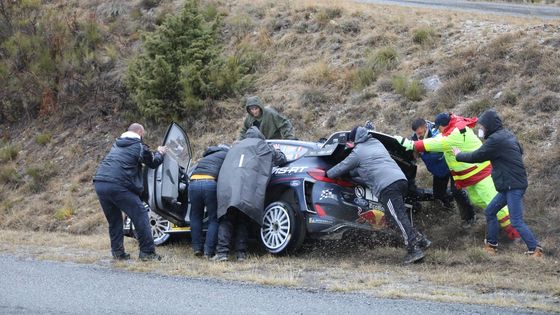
column 414, row 254
column 198, row 253
column 537, row 252
column 220, row 257
column 424, row 243
column 149, row 256
column 123, row 256
column 490, row 248
column 241, row 256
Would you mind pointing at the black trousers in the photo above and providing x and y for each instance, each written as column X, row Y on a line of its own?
column 116, row 198
column 233, row 220
column 466, row 209
column 392, row 199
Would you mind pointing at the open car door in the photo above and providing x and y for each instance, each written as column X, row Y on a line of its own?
column 167, row 184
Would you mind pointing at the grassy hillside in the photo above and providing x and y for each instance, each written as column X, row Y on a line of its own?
column 327, row 66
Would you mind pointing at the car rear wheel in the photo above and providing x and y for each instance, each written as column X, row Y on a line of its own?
column 282, row 230
column 159, row 227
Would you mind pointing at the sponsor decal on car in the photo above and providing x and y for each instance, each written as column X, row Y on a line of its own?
column 328, row 194
column 320, row 220
column 295, row 183
column 289, row 170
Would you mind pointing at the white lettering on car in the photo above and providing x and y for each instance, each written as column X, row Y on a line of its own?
column 288, row 170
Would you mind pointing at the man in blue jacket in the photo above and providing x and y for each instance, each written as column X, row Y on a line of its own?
column 436, row 165
column 118, row 183
column 505, row 153
column 202, row 194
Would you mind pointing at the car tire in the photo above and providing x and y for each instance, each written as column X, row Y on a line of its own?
column 283, row 229
column 158, row 226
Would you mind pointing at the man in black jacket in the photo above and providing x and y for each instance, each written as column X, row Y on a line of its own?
column 242, row 186
column 503, row 150
column 118, row 183
column 202, row 193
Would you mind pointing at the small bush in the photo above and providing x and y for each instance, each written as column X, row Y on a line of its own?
column 324, row 15
column 548, row 103
column 411, row 89
column 40, row 175
column 478, row 107
column 9, row 176
column 8, row 153
column 424, row 36
column 509, row 98
column 312, row 97
column 350, row 26
column 149, row 4
column 64, row 213
column 385, row 58
column 241, row 25
column 363, row 77
column 43, row 138
column 319, row 73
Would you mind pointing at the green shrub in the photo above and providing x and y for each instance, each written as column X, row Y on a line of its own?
column 9, row 176
column 364, row 77
column 385, row 58
column 424, row 36
column 40, row 175
column 411, row 89
column 478, row 107
column 8, row 153
column 324, row 15
column 181, row 66
column 43, row 138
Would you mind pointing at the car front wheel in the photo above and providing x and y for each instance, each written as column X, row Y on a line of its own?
column 282, row 230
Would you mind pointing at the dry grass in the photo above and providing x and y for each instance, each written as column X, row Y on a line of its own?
column 353, row 268
column 328, row 65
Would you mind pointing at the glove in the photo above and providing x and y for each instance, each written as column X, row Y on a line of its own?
column 369, row 125
column 512, row 233
column 405, row 142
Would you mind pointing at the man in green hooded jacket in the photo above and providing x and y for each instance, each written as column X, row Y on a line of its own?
column 271, row 124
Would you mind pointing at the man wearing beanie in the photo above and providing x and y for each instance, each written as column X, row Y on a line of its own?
column 372, row 162
column 510, row 179
column 457, row 132
column 271, row 124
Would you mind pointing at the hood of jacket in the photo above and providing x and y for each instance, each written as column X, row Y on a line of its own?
column 459, row 122
column 362, row 135
column 491, row 121
column 215, row 148
column 126, row 141
column 254, row 132
column 254, row 101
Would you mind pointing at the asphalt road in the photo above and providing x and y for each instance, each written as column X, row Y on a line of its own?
column 522, row 10
column 42, row 287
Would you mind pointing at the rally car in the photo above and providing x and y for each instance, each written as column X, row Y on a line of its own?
column 301, row 202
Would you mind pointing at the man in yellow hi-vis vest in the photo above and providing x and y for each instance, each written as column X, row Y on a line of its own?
column 456, row 131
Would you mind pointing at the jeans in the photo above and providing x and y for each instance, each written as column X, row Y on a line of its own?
column 202, row 193
column 392, row 199
column 115, row 198
column 514, row 200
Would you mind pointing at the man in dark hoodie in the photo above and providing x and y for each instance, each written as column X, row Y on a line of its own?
column 242, row 186
column 505, row 153
column 271, row 124
column 371, row 162
column 119, row 183
column 202, row 193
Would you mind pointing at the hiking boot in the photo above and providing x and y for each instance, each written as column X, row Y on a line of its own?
column 220, row 257
column 537, row 252
column 490, row 248
column 241, row 256
column 445, row 204
column 149, row 256
column 414, row 254
column 122, row 256
column 198, row 253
